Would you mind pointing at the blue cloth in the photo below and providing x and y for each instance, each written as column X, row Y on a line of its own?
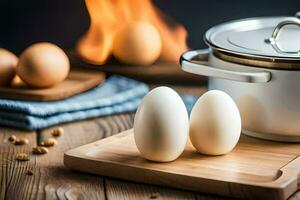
column 116, row 95
column 189, row 101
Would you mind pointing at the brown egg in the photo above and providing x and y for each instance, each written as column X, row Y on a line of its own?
column 43, row 65
column 8, row 63
column 137, row 43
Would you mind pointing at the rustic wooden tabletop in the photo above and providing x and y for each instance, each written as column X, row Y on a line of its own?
column 51, row 180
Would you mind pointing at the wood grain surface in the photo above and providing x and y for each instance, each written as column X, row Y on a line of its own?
column 51, row 180
column 78, row 81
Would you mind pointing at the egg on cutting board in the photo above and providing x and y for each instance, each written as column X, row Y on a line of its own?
column 161, row 125
column 43, row 65
column 8, row 64
column 215, row 123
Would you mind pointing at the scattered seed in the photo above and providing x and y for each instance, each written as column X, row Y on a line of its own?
column 12, row 138
column 22, row 157
column 49, row 143
column 57, row 132
column 39, row 150
column 21, row 141
column 25, row 140
column 29, row 172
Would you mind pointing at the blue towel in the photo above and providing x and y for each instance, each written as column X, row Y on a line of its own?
column 189, row 101
column 116, row 95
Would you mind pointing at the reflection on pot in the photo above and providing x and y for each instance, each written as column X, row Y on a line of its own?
column 251, row 119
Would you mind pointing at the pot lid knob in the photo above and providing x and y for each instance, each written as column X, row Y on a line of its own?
column 274, row 39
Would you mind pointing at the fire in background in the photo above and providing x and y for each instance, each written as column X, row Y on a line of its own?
column 134, row 31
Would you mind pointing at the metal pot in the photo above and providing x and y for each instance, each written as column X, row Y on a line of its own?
column 257, row 62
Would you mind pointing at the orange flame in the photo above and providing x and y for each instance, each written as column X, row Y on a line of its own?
column 107, row 16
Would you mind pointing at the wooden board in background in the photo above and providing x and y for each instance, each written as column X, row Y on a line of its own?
column 163, row 73
column 254, row 169
column 78, row 81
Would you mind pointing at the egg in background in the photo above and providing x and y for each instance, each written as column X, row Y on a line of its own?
column 161, row 125
column 215, row 123
column 137, row 43
column 8, row 64
column 43, row 65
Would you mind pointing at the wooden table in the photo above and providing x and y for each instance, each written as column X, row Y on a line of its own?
column 51, row 180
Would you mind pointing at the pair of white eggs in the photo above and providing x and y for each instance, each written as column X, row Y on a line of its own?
column 162, row 126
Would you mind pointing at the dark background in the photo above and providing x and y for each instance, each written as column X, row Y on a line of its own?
column 64, row 21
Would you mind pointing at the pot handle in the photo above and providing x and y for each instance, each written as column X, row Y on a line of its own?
column 273, row 39
column 195, row 62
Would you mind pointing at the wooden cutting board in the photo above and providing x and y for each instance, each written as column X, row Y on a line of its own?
column 78, row 81
column 254, row 169
column 163, row 73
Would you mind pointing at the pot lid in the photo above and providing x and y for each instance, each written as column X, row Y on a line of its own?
column 265, row 41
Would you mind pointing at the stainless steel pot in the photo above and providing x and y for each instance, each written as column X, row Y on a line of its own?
column 257, row 62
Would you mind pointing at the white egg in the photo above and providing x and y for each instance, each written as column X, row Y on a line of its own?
column 161, row 125
column 215, row 123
